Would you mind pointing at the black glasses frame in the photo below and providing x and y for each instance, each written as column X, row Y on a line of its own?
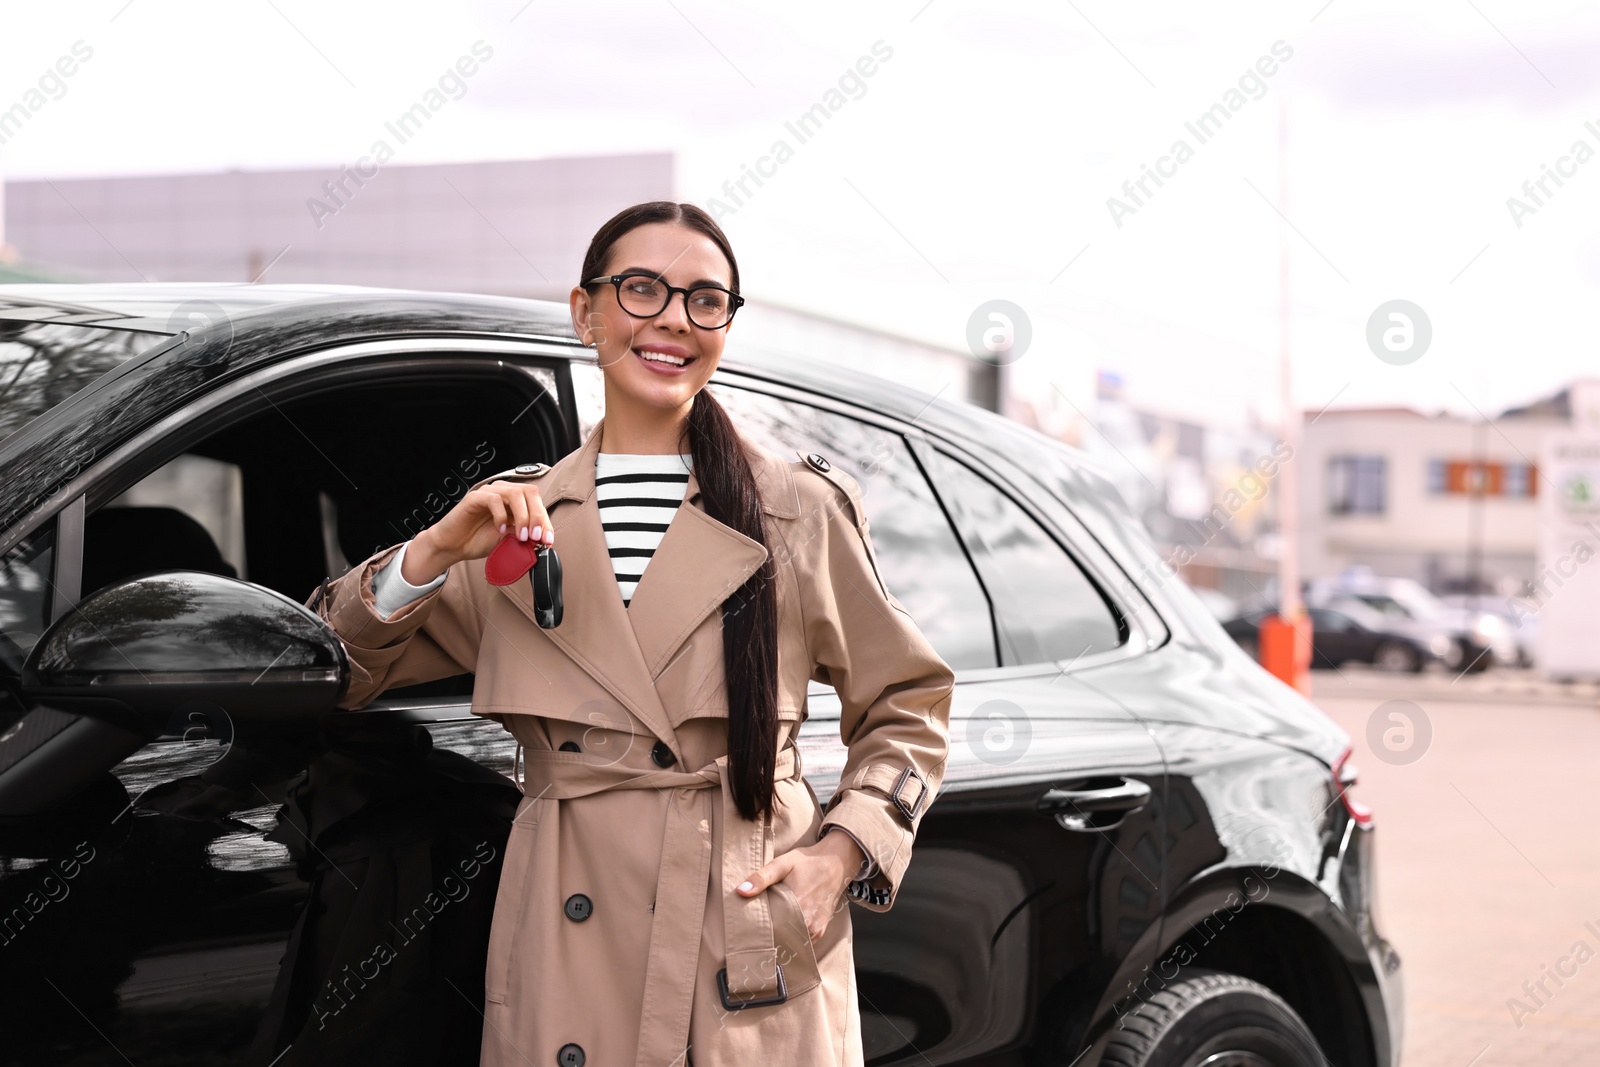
column 735, row 301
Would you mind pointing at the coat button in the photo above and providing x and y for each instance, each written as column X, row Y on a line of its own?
column 530, row 468
column 570, row 1055
column 662, row 754
column 570, row 746
column 818, row 462
column 579, row 907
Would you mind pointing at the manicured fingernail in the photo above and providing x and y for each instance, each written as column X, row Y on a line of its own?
column 549, row 537
column 502, row 527
column 536, row 532
column 745, row 887
column 522, row 533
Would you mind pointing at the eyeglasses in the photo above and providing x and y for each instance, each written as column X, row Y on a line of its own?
column 644, row 296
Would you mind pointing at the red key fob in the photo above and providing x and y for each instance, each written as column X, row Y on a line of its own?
column 510, row 560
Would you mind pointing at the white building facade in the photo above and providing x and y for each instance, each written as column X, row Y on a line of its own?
column 1451, row 502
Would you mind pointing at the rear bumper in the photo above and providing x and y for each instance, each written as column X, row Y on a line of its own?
column 1381, row 981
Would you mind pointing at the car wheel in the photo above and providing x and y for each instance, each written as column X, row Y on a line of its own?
column 1214, row 1019
column 1456, row 657
column 1394, row 656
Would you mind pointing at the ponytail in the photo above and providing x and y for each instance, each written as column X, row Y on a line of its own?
column 730, row 495
column 749, row 615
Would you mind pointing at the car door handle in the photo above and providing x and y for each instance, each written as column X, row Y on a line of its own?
column 1095, row 804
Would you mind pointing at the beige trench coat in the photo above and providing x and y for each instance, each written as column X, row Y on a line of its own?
column 617, row 921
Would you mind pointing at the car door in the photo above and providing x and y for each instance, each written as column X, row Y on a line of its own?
column 1011, row 926
column 192, row 896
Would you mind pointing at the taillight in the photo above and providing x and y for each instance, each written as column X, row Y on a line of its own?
column 1344, row 779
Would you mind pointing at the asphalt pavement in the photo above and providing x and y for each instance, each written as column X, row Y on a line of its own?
column 1486, row 797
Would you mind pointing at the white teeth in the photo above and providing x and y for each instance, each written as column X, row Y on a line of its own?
column 662, row 357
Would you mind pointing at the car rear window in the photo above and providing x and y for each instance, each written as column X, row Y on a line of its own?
column 44, row 363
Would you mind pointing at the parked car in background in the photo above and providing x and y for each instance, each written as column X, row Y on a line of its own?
column 1349, row 631
column 1144, row 845
column 1521, row 619
column 1481, row 638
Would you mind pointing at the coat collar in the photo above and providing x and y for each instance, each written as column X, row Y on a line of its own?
column 572, row 478
column 699, row 564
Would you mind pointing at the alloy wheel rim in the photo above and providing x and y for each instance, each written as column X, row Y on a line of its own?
column 1235, row 1058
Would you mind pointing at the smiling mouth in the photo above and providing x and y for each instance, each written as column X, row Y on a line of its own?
column 664, row 359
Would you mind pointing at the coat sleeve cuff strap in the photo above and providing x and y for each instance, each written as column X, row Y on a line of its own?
column 904, row 786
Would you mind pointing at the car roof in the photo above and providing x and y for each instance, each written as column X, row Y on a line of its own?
column 324, row 315
column 167, row 310
column 266, row 323
column 154, row 307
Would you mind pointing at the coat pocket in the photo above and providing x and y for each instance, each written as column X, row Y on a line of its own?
column 511, row 899
column 796, row 954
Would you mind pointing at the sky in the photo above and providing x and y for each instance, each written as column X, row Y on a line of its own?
column 972, row 152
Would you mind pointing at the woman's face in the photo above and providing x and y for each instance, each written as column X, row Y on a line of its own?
column 684, row 257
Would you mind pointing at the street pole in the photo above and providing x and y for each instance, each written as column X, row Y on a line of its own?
column 1478, row 501
column 1288, row 476
column 1285, row 640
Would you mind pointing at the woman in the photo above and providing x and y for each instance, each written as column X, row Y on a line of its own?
column 671, row 893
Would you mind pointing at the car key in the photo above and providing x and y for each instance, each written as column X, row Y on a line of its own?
column 511, row 558
column 546, row 578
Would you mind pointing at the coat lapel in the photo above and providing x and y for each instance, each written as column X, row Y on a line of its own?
column 698, row 565
column 594, row 630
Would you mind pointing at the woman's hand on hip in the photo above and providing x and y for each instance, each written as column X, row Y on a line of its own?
column 472, row 528
column 817, row 874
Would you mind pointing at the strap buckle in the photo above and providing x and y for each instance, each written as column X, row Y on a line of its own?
column 911, row 810
column 754, row 1002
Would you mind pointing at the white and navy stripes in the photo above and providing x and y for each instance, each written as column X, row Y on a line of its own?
column 637, row 495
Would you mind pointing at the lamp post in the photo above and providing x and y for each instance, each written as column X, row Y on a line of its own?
column 1285, row 638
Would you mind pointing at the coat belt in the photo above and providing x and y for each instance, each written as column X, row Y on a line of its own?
column 752, row 954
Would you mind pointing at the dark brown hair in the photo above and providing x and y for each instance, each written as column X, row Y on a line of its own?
column 730, row 495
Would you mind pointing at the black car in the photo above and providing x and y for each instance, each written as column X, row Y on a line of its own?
column 1351, row 632
column 1479, row 639
column 1146, row 851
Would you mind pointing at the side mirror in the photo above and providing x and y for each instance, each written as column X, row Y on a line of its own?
column 136, row 651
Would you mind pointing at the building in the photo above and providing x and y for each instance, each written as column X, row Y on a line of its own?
column 773, row 329
column 503, row 227
column 1450, row 501
column 1207, row 494
column 507, row 227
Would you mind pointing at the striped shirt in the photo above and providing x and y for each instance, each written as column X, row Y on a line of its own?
column 638, row 495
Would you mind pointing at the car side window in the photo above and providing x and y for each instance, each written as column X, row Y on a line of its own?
column 1046, row 608
column 921, row 560
column 25, row 595
column 187, row 514
column 1331, row 621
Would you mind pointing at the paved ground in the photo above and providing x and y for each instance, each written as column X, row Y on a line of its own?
column 1488, row 861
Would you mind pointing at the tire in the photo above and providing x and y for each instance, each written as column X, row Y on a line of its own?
column 1397, row 657
column 1457, row 657
column 1215, row 1019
